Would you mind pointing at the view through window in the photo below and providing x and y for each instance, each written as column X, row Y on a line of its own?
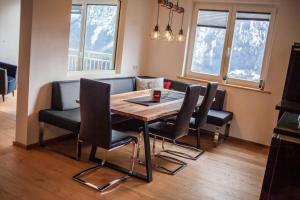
column 230, row 49
column 248, row 47
column 209, row 41
column 93, row 35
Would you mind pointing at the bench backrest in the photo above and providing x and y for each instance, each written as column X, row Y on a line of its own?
column 218, row 104
column 65, row 93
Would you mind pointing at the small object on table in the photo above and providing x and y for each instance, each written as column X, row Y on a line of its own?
column 156, row 95
column 167, row 84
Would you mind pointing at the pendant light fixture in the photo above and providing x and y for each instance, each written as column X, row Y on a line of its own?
column 180, row 36
column 168, row 33
column 156, row 33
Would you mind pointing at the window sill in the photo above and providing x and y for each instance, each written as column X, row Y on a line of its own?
column 225, row 85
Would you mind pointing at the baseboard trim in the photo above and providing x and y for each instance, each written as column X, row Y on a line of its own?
column 71, row 135
column 23, row 146
column 46, row 142
column 210, row 133
column 247, row 141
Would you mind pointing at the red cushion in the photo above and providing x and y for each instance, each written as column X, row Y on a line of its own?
column 167, row 84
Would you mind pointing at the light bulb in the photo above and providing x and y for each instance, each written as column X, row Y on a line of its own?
column 155, row 34
column 180, row 36
column 168, row 35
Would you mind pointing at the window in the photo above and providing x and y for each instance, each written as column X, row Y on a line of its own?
column 93, row 35
column 209, row 42
column 230, row 43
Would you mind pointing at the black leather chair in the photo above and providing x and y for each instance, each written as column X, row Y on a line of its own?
column 200, row 116
column 8, row 79
column 96, row 128
column 172, row 132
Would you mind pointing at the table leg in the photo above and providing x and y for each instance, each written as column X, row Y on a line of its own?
column 147, row 152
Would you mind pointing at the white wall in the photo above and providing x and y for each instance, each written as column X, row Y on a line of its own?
column 49, row 54
column 254, row 112
column 9, row 31
column 43, row 54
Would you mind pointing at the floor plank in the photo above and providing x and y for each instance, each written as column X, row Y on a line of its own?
column 232, row 171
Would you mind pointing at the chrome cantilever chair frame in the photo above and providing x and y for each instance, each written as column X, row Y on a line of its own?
column 158, row 155
column 106, row 186
column 182, row 154
column 160, row 168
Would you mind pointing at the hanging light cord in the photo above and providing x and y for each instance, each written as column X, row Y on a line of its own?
column 169, row 17
column 157, row 14
column 182, row 20
column 172, row 13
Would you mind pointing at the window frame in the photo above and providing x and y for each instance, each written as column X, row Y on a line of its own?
column 116, row 59
column 232, row 8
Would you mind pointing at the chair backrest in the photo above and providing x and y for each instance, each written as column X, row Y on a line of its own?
column 206, row 104
column 11, row 69
column 95, row 113
column 185, row 114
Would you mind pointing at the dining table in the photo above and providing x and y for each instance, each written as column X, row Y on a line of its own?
column 129, row 105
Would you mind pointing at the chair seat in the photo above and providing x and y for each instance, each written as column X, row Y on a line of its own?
column 10, row 78
column 219, row 118
column 67, row 119
column 70, row 119
column 120, row 138
column 162, row 129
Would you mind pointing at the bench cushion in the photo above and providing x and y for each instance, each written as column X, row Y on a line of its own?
column 69, row 119
column 219, row 118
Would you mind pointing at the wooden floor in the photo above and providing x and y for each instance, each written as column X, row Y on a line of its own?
column 232, row 171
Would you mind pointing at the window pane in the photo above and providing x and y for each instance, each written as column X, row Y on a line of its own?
column 100, row 37
column 209, row 42
column 248, row 48
column 74, row 41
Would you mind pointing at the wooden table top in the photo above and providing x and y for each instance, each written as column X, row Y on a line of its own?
column 141, row 112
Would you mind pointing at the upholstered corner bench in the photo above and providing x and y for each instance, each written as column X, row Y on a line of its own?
column 65, row 112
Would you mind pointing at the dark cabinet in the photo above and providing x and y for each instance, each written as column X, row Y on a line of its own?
column 282, row 176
